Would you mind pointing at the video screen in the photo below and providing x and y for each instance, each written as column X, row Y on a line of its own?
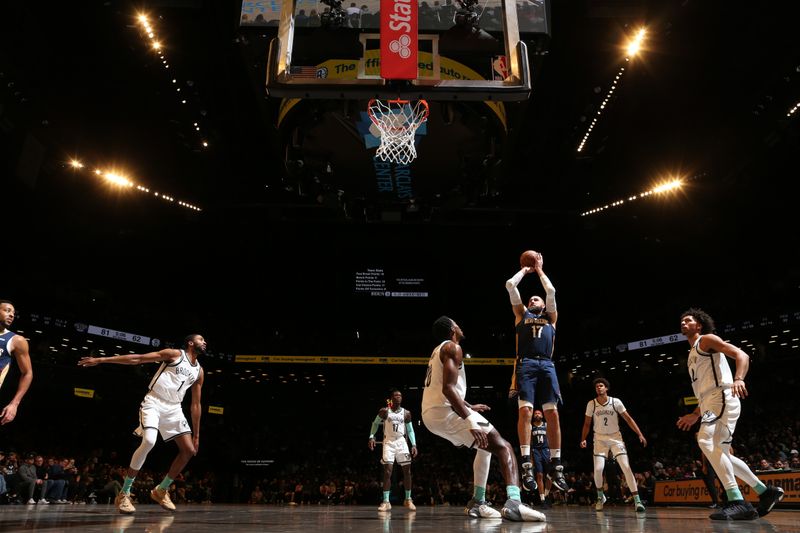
column 385, row 283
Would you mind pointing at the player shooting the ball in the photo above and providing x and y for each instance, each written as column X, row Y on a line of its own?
column 535, row 379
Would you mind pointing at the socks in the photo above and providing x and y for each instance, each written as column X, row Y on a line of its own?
column 386, row 495
column 760, row 488
column 126, row 486
column 479, row 494
column 165, row 483
column 734, row 494
column 513, row 492
column 408, row 495
column 637, row 499
column 525, row 451
column 599, row 494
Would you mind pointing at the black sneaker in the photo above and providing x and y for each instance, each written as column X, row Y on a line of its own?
column 544, row 504
column 735, row 510
column 558, row 479
column 768, row 499
column 528, row 479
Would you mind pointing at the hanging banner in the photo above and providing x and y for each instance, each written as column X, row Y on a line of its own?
column 399, row 44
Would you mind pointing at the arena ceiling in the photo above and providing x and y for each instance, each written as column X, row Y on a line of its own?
column 709, row 100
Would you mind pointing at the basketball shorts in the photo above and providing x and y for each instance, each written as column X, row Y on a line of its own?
column 719, row 413
column 443, row 421
column 541, row 459
column 537, row 381
column 612, row 442
column 166, row 417
column 396, row 449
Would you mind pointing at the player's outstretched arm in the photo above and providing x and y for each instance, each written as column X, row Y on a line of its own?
column 549, row 289
column 167, row 354
column 513, row 293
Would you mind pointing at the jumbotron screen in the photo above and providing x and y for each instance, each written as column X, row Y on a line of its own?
column 382, row 282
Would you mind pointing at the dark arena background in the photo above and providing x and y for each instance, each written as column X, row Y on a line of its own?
column 152, row 186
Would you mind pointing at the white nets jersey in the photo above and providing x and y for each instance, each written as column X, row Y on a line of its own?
column 708, row 371
column 394, row 427
column 432, row 395
column 171, row 381
column 606, row 415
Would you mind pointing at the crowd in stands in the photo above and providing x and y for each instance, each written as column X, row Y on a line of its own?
column 442, row 474
column 34, row 479
column 432, row 15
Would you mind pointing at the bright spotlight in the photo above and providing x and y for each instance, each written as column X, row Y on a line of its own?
column 75, row 163
column 636, row 43
column 669, row 186
column 156, row 45
column 116, row 179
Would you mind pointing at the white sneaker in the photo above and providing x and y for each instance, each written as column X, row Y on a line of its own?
column 600, row 501
column 43, row 502
column 31, row 502
column 517, row 511
column 161, row 497
column 385, row 506
column 124, row 503
column 480, row 509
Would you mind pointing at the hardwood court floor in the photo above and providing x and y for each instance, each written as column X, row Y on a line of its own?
column 362, row 519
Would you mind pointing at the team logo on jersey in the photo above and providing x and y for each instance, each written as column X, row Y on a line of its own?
column 183, row 372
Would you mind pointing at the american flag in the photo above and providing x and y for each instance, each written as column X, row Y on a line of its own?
column 304, row 72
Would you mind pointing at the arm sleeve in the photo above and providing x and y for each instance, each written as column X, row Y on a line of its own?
column 550, row 293
column 375, row 425
column 511, row 287
column 410, row 432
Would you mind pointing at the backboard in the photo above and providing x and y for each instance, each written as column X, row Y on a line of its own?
column 466, row 50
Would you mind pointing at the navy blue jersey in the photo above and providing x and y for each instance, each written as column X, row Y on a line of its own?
column 5, row 354
column 535, row 336
column 539, row 436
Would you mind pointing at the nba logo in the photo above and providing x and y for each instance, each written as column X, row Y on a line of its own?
column 499, row 68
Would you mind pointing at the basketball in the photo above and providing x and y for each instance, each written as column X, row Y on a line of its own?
column 528, row 259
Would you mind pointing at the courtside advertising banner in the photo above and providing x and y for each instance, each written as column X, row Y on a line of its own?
column 399, row 39
column 693, row 491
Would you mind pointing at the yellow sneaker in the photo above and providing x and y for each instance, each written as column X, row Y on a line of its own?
column 385, row 506
column 410, row 505
column 161, row 497
column 124, row 503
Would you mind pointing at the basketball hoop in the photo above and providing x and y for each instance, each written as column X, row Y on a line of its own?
column 398, row 121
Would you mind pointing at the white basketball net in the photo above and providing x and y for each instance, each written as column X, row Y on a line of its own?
column 398, row 121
